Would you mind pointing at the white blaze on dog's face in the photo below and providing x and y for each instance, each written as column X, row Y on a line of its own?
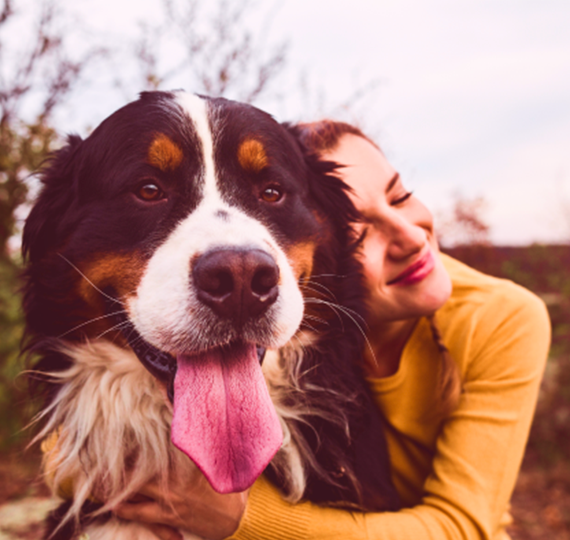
column 166, row 309
column 218, row 287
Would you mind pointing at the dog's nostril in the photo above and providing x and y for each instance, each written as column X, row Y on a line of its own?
column 221, row 283
column 264, row 280
column 213, row 278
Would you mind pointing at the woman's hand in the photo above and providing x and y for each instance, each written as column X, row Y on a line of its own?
column 193, row 506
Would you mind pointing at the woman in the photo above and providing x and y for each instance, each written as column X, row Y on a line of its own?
column 455, row 476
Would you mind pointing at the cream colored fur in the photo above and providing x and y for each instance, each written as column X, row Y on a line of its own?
column 113, row 424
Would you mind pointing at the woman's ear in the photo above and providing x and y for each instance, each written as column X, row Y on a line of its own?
column 43, row 225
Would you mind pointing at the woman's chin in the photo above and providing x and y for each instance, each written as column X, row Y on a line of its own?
column 434, row 291
column 420, row 299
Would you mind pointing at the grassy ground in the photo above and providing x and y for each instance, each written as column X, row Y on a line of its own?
column 541, row 504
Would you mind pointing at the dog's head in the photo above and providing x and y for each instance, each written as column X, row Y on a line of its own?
column 186, row 227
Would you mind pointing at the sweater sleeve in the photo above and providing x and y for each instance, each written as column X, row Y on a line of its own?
column 478, row 451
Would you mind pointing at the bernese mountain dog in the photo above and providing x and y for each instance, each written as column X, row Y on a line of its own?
column 192, row 291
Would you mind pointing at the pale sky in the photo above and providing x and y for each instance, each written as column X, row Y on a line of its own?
column 473, row 95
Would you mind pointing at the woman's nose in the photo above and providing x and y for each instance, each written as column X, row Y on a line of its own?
column 404, row 237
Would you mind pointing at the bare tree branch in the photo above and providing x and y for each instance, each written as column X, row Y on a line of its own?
column 465, row 225
column 217, row 53
column 6, row 12
column 34, row 81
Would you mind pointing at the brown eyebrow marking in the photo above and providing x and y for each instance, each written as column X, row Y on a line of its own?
column 251, row 155
column 164, row 154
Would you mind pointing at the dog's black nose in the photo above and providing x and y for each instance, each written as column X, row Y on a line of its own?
column 236, row 283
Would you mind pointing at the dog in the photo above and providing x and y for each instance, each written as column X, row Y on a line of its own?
column 192, row 290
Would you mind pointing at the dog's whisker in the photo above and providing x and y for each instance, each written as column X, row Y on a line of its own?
column 117, row 326
column 310, row 284
column 88, row 280
column 328, row 275
column 318, row 295
column 327, row 293
column 355, row 314
column 351, row 315
column 317, row 284
column 316, row 319
column 91, row 321
column 330, row 305
column 307, row 325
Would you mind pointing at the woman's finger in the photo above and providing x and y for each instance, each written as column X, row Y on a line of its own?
column 147, row 512
column 177, row 485
column 152, row 515
column 164, row 532
column 150, row 490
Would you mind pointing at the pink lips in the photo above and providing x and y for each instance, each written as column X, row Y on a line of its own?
column 416, row 271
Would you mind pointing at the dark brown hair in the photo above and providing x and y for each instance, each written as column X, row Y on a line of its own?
column 324, row 135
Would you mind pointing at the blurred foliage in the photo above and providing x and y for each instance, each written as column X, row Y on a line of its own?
column 544, row 270
column 14, row 413
column 463, row 223
column 23, row 148
column 36, row 74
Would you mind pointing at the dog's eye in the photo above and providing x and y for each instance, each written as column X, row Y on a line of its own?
column 149, row 192
column 272, row 194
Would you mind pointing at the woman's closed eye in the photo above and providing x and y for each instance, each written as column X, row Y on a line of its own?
column 402, row 199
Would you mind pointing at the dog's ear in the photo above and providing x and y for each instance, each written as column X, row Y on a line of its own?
column 326, row 187
column 331, row 191
column 42, row 231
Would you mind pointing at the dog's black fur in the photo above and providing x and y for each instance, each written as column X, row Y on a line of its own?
column 86, row 211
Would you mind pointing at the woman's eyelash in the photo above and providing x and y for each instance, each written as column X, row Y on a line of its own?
column 404, row 198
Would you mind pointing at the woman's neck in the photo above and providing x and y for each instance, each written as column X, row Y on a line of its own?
column 387, row 342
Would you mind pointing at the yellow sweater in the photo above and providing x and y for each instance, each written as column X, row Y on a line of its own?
column 455, row 479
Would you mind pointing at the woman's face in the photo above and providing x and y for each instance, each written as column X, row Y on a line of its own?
column 404, row 276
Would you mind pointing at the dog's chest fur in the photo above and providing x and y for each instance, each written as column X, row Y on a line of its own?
column 112, row 420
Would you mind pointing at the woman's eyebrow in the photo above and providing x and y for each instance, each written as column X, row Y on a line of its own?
column 392, row 182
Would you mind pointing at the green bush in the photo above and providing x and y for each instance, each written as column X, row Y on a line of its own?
column 14, row 405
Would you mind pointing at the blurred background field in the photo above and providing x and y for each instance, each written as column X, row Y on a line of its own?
column 470, row 100
column 541, row 503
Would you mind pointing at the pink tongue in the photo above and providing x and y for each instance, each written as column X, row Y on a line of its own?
column 224, row 420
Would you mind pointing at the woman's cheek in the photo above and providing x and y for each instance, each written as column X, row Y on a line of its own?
column 371, row 257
